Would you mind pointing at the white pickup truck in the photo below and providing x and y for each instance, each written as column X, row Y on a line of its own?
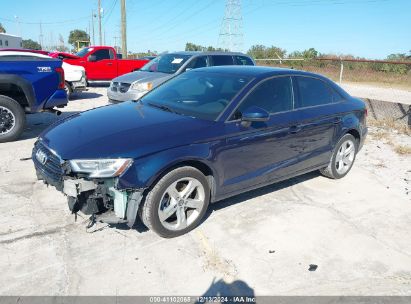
column 74, row 75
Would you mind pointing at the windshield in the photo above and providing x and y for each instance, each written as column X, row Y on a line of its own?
column 202, row 95
column 167, row 63
column 83, row 52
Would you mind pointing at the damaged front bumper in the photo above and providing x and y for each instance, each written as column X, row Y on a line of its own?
column 101, row 199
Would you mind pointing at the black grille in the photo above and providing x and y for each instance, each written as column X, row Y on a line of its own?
column 50, row 170
column 120, row 87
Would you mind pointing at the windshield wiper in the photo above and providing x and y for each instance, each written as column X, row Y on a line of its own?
column 162, row 107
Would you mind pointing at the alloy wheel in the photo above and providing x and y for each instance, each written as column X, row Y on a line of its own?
column 7, row 120
column 181, row 203
column 345, row 156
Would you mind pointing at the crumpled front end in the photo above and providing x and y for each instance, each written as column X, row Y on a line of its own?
column 98, row 197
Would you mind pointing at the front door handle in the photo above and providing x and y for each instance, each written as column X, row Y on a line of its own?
column 110, row 63
column 337, row 120
column 295, row 129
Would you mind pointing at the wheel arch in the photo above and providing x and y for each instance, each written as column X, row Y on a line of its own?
column 200, row 165
column 18, row 89
column 354, row 132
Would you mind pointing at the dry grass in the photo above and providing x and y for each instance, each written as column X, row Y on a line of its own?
column 380, row 135
column 390, row 124
column 366, row 76
column 402, row 149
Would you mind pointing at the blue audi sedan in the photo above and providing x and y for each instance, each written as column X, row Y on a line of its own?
column 203, row 136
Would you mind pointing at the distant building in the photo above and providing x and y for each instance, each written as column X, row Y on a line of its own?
column 8, row 41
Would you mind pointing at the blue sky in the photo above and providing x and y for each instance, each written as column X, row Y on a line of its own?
column 367, row 28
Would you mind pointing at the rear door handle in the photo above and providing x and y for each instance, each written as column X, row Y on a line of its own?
column 295, row 129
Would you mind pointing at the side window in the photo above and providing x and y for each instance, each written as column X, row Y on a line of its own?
column 7, row 43
column 336, row 96
column 198, row 62
column 243, row 60
column 1, row 42
column 102, row 54
column 222, row 60
column 313, row 92
column 273, row 95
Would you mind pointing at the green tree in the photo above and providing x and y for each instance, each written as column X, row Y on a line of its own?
column 397, row 57
column 2, row 29
column 196, row 47
column 295, row 54
column 310, row 53
column 275, row 52
column 77, row 35
column 257, row 51
column 30, row 44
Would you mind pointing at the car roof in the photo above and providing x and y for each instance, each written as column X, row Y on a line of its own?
column 26, row 54
column 194, row 53
column 253, row 71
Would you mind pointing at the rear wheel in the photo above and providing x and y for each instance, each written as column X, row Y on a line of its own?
column 343, row 158
column 177, row 203
column 68, row 89
column 12, row 119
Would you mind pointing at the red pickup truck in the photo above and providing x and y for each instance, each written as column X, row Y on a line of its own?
column 101, row 62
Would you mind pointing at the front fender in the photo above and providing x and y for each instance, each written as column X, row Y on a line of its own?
column 146, row 170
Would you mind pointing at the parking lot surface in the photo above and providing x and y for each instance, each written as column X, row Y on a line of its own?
column 355, row 230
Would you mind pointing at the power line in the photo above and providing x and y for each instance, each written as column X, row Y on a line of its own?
column 180, row 22
column 55, row 22
column 111, row 10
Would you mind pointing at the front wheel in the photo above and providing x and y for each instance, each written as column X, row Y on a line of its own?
column 342, row 158
column 12, row 119
column 177, row 203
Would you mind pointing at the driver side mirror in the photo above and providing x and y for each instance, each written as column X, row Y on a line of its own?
column 254, row 113
column 92, row 58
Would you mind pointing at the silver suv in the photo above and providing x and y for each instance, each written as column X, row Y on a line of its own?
column 133, row 85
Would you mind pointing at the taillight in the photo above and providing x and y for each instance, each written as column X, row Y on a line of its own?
column 366, row 112
column 60, row 72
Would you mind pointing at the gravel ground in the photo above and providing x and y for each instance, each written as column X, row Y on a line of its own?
column 356, row 230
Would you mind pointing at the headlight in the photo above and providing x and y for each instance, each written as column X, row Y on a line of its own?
column 101, row 167
column 142, row 86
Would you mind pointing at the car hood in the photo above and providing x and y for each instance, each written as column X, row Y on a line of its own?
column 141, row 76
column 128, row 129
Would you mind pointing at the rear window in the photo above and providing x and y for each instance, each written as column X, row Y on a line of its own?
column 167, row 63
column 222, row 60
column 313, row 92
column 243, row 60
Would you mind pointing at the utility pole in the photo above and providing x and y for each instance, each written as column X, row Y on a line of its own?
column 116, row 47
column 99, row 22
column 18, row 24
column 41, row 36
column 123, row 29
column 92, row 27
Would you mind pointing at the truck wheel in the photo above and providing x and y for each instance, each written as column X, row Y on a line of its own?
column 12, row 119
column 68, row 89
column 177, row 202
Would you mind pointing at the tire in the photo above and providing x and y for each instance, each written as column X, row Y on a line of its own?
column 12, row 119
column 342, row 160
column 164, row 213
column 68, row 89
